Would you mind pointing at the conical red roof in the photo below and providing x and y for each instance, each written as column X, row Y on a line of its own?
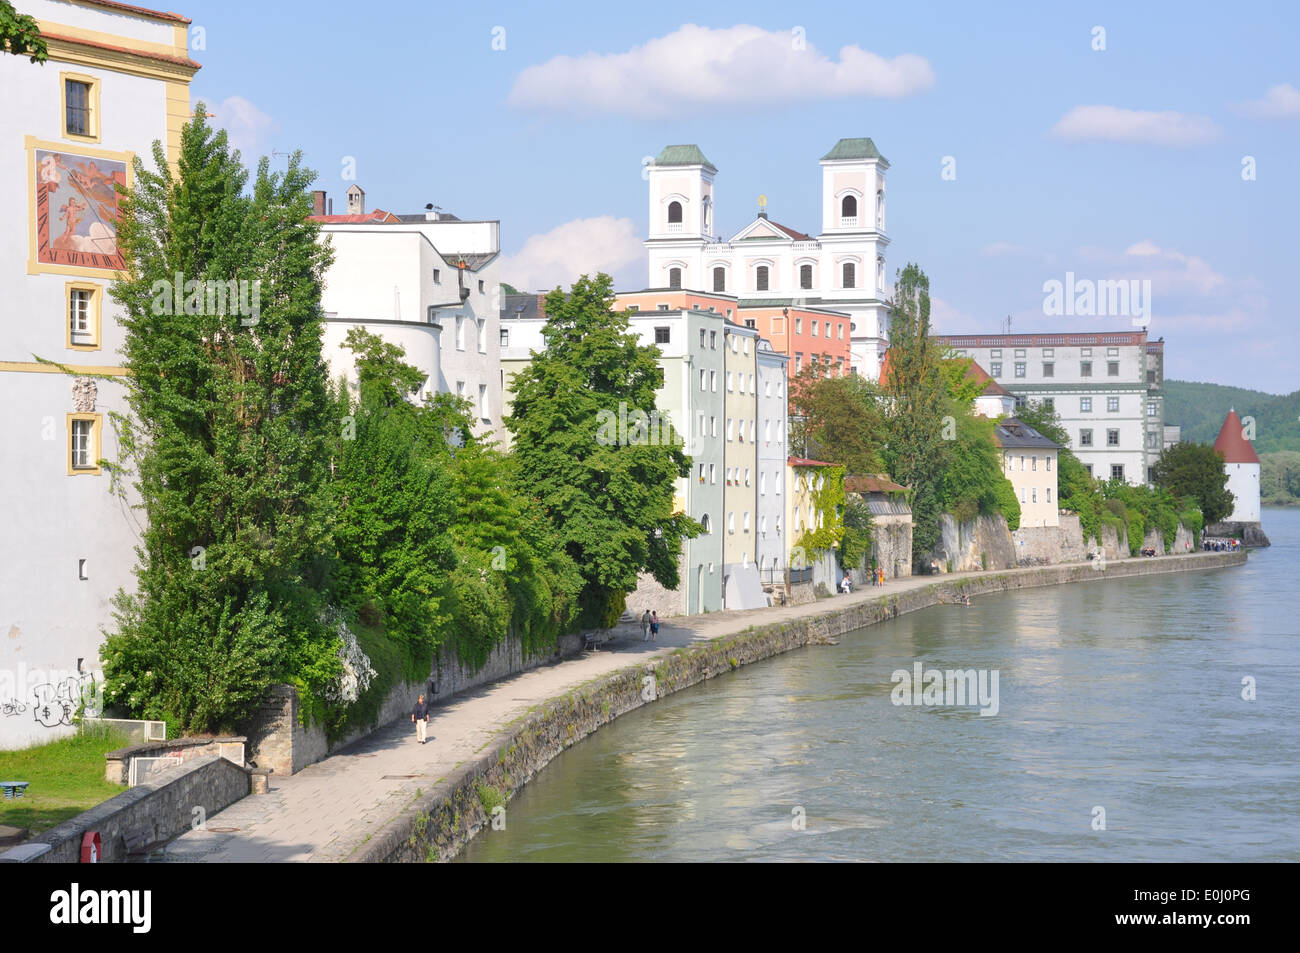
column 1230, row 442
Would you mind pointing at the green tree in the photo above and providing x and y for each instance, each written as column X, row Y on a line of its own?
column 840, row 418
column 20, row 35
column 610, row 500
column 1196, row 470
column 917, row 399
column 227, row 438
column 1071, row 477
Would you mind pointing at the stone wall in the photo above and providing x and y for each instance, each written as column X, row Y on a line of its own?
column 1250, row 534
column 164, row 806
column 983, row 543
column 439, row 823
column 1050, row 545
column 891, row 541
column 117, row 764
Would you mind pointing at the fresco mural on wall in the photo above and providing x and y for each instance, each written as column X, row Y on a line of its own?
column 77, row 209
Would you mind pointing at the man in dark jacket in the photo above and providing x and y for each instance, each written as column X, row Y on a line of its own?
column 420, row 715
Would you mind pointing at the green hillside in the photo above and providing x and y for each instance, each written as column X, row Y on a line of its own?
column 1200, row 408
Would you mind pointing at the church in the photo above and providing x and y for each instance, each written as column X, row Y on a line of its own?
column 770, row 265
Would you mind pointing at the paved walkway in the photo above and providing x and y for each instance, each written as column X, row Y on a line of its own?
column 327, row 810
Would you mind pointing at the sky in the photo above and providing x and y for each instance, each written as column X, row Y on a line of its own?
column 1149, row 142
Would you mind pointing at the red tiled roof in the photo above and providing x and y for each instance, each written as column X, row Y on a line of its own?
column 1042, row 340
column 805, row 462
column 797, row 236
column 991, row 387
column 1232, row 443
column 872, row 483
column 378, row 215
column 160, row 57
column 130, row 8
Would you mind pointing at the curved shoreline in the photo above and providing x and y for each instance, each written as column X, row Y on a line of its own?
column 439, row 823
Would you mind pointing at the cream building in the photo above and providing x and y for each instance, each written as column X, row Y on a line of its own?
column 1029, row 462
column 117, row 79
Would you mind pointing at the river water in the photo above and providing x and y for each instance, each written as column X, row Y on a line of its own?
column 1120, row 703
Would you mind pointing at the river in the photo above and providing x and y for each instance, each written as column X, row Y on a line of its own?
column 1121, row 734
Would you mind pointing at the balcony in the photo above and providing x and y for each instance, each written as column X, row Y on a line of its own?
column 848, row 221
column 674, row 226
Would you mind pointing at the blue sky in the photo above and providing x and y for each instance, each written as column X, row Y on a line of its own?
column 1117, row 163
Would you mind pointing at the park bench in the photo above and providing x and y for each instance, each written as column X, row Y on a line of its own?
column 142, row 842
column 591, row 640
column 14, row 789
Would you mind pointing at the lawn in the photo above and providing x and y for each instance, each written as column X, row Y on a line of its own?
column 67, row 777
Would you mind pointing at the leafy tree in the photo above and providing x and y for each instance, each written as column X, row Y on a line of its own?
column 610, row 501
column 20, row 35
column 1279, row 478
column 856, row 542
column 227, row 437
column 917, row 396
column 1196, row 470
column 840, row 418
column 1071, row 477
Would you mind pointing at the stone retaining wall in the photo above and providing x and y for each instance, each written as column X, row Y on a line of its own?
column 439, row 823
column 117, row 764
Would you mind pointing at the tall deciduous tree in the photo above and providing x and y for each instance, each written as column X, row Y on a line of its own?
column 917, row 399
column 840, row 418
column 1196, row 470
column 227, row 437
column 610, row 500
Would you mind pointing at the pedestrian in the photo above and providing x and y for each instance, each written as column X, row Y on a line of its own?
column 654, row 626
column 880, row 574
column 645, row 625
column 420, row 715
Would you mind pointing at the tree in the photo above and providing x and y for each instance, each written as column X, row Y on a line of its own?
column 227, row 438
column 841, row 417
column 1196, row 470
column 917, row 398
column 20, row 35
column 610, row 500
column 1071, row 477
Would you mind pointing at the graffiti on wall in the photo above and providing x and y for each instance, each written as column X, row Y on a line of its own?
column 54, row 697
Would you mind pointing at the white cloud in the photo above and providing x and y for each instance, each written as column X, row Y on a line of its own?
column 1172, row 271
column 1280, row 102
column 247, row 128
column 696, row 65
column 1143, row 248
column 580, row 247
column 1112, row 124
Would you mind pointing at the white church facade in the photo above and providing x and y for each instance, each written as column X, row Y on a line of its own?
column 769, row 264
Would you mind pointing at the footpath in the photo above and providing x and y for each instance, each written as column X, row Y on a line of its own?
column 327, row 811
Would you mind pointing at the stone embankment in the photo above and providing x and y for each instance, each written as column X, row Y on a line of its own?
column 439, row 822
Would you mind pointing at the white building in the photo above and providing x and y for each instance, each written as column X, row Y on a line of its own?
column 117, row 79
column 772, row 550
column 1107, row 390
column 427, row 283
column 769, row 264
column 1029, row 461
column 1242, row 466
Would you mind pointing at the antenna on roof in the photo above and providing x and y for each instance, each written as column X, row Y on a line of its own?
column 1007, row 325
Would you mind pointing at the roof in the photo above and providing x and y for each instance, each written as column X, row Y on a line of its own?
column 854, row 149
column 420, row 217
column 368, row 218
column 805, row 462
column 524, row 307
column 1042, row 340
column 797, row 236
column 1232, row 443
column 131, row 8
column 684, row 155
column 1014, row 432
column 872, row 483
column 991, row 387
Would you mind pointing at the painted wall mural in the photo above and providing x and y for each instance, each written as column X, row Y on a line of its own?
column 77, row 209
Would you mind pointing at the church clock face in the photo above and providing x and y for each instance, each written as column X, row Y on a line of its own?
column 77, row 210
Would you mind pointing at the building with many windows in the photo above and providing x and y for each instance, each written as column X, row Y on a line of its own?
column 117, row 80
column 1107, row 389
column 1029, row 461
column 775, row 266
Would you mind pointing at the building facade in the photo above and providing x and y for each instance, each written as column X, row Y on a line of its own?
column 1029, row 461
column 117, row 79
column 1107, row 389
column 770, row 264
column 771, row 550
column 1242, row 466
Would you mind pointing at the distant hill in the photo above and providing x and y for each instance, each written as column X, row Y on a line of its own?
column 1200, row 408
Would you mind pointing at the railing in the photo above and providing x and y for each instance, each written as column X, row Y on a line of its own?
column 848, row 221
column 674, row 226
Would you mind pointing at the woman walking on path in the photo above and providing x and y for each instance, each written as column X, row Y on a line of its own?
column 654, row 626
column 645, row 625
column 420, row 715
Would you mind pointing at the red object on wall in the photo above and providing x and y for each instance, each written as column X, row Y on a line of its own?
column 91, row 848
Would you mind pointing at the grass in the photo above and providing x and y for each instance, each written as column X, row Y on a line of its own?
column 67, row 778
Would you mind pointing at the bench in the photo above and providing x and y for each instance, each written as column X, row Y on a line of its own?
column 142, row 842
column 14, row 789
column 590, row 640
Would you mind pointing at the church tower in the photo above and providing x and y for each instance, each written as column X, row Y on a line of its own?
column 681, row 216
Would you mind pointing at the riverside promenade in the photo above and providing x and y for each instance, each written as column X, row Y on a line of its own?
column 330, row 810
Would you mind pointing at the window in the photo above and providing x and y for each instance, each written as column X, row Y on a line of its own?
column 849, row 210
column 805, row 276
column 746, row 476
column 729, row 387
column 731, row 429
column 996, row 368
column 798, row 325
column 1151, row 377
column 713, row 381
column 719, row 279
column 702, row 430
column 1011, row 463
column 460, row 388
column 662, row 335
column 1020, row 368
column 745, row 522
column 731, row 522
column 1049, row 403
column 1085, row 405
column 674, row 277
column 1112, row 368
column 762, row 525
column 995, row 352
column 713, row 339
column 1049, row 494
column 850, row 275
column 1049, row 352
column 1023, row 495
column 1151, row 408
column 814, row 329
column 83, row 443
column 480, row 286
column 83, row 316
column 713, row 473
column 1085, row 438
column 80, row 106
column 481, row 328
column 675, row 215
column 437, row 277
column 713, row 426
column 1088, row 467
column 1049, row 369
column 798, row 361
column 1085, row 368
column 1112, row 352
column 1112, row 405
column 704, row 380
column 744, row 345
column 505, row 337
column 1085, row 352
column 1034, row 462
column 1022, row 461
column 1153, row 440
column 460, row 332
column 760, row 278
column 483, row 402
column 706, row 523
column 1033, row 494
column 762, row 483
column 1020, row 352
column 1117, row 471
column 634, row 307
column 1112, row 438
column 1048, row 461
column 701, row 340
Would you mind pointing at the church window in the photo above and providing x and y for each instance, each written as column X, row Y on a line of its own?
column 674, row 213
column 674, row 277
column 805, row 276
column 719, row 279
column 760, row 278
column 850, row 277
column 849, row 209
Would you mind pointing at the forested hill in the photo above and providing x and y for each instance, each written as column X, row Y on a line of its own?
column 1200, row 408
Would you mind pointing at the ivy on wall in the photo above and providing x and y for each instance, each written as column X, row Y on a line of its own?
column 828, row 499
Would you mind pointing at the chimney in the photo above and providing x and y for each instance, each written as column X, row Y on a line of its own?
column 318, row 203
column 329, row 206
column 356, row 200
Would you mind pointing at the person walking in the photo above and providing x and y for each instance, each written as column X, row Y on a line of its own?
column 654, row 626
column 420, row 716
column 645, row 625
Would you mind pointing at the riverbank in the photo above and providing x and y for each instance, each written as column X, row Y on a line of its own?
column 386, row 798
